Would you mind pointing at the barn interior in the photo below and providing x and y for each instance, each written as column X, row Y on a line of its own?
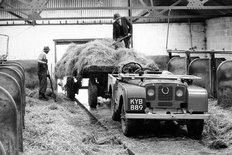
column 184, row 37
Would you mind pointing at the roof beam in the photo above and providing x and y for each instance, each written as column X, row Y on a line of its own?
column 20, row 17
column 158, row 13
column 32, row 16
column 144, row 12
column 221, row 3
column 110, row 17
column 15, row 14
column 125, row 8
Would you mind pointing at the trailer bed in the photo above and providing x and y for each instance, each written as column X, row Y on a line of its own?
column 95, row 71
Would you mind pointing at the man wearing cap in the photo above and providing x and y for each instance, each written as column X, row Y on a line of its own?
column 43, row 73
column 122, row 27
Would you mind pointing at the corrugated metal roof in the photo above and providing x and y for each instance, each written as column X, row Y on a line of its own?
column 59, row 11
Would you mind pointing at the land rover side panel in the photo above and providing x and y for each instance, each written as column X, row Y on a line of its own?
column 112, row 78
column 133, row 97
column 197, row 99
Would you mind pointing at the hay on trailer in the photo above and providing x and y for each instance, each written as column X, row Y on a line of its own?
column 64, row 67
column 125, row 55
column 96, row 53
column 99, row 53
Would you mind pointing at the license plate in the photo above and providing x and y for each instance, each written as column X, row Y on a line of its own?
column 136, row 104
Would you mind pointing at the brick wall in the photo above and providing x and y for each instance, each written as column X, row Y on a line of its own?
column 181, row 38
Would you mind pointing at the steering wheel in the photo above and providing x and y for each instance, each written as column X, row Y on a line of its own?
column 131, row 67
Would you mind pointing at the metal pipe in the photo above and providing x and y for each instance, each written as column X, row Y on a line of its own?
column 190, row 32
column 169, row 12
column 151, row 1
column 130, row 14
column 55, row 59
column 110, row 17
column 165, row 10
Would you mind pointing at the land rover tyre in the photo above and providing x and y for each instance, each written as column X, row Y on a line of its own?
column 115, row 112
column 92, row 93
column 195, row 128
column 70, row 88
column 2, row 150
column 128, row 125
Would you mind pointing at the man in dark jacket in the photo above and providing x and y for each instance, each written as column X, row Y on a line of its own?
column 43, row 73
column 122, row 27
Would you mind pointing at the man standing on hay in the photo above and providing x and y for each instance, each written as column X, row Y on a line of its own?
column 122, row 29
column 43, row 73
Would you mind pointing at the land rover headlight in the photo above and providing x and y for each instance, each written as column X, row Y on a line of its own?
column 150, row 92
column 179, row 93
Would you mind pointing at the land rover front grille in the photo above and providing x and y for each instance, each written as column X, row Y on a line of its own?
column 165, row 104
column 165, row 93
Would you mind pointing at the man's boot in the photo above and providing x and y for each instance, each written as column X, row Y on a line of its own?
column 40, row 96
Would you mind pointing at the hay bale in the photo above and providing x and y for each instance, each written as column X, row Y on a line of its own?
column 160, row 60
column 217, row 132
column 34, row 93
column 98, row 53
column 64, row 67
column 218, row 144
column 225, row 100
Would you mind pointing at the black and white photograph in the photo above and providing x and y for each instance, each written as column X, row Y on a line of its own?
column 115, row 77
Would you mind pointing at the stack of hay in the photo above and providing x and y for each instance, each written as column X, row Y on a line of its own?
column 217, row 132
column 98, row 53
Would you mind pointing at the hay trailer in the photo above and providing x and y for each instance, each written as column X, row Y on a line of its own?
column 97, row 75
column 12, row 104
column 97, row 86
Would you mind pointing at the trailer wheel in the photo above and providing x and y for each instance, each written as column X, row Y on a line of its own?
column 128, row 125
column 195, row 128
column 92, row 93
column 70, row 88
column 102, row 85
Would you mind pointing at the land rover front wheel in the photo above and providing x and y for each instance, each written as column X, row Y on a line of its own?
column 195, row 128
column 128, row 125
column 115, row 112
